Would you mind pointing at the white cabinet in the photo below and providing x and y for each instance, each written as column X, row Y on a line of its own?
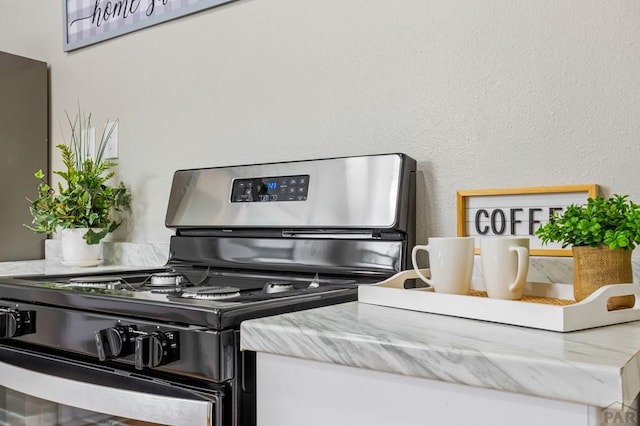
column 295, row 392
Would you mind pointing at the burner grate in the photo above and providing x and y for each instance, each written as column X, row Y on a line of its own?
column 107, row 283
column 210, row 293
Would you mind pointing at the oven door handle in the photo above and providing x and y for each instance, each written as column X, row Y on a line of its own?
column 111, row 392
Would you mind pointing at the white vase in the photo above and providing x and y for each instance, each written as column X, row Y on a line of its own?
column 76, row 251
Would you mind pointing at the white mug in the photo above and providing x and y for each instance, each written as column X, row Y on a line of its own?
column 450, row 262
column 505, row 263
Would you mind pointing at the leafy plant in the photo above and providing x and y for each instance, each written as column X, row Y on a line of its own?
column 86, row 201
column 614, row 222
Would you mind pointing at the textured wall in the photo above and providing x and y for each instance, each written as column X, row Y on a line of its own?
column 484, row 94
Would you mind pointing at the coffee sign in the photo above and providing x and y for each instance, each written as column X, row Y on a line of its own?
column 517, row 212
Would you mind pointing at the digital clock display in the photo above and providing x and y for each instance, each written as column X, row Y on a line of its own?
column 265, row 189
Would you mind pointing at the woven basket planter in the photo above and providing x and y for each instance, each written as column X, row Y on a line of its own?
column 594, row 267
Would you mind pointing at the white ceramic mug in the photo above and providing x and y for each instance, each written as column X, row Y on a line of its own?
column 450, row 262
column 505, row 263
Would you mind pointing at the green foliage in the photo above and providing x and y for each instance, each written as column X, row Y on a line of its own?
column 86, row 201
column 614, row 222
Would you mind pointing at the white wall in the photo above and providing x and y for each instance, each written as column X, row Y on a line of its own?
column 484, row 94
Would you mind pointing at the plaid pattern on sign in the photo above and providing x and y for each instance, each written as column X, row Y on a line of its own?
column 88, row 19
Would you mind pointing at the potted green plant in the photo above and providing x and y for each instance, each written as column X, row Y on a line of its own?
column 602, row 234
column 86, row 207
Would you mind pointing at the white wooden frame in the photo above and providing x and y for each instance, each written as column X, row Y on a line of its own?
column 581, row 192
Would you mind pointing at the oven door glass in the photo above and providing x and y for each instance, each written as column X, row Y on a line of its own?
column 38, row 389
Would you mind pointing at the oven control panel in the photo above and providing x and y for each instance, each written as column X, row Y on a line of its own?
column 270, row 189
column 16, row 323
column 134, row 342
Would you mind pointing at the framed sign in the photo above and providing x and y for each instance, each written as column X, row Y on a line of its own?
column 90, row 21
column 518, row 212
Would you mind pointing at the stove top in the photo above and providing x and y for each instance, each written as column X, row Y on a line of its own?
column 193, row 284
column 191, row 295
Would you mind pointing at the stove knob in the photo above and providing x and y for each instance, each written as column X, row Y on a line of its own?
column 16, row 323
column 115, row 342
column 8, row 325
column 157, row 348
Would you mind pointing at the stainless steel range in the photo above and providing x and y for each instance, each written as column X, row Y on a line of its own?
column 162, row 346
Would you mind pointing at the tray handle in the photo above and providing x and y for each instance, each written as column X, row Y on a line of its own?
column 598, row 299
column 397, row 281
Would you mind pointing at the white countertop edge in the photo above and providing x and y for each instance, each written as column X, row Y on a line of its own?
column 301, row 335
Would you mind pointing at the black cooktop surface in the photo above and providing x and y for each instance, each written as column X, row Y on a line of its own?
column 194, row 295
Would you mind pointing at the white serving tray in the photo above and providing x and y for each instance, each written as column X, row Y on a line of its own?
column 591, row 312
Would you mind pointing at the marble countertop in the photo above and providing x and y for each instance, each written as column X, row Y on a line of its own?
column 53, row 267
column 118, row 257
column 598, row 366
